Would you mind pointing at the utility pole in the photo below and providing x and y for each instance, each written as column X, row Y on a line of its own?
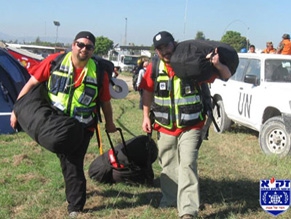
column 185, row 18
column 125, row 34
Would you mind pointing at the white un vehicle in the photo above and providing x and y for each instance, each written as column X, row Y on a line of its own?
column 258, row 96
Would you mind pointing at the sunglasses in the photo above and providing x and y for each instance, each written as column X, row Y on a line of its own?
column 82, row 45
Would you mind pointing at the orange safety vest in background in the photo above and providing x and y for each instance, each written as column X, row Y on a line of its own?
column 269, row 51
column 287, row 47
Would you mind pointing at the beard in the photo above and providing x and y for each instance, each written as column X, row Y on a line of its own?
column 167, row 57
column 83, row 57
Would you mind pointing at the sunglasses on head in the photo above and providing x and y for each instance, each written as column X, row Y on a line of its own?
column 82, row 45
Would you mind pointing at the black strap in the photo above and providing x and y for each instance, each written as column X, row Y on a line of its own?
column 113, row 149
column 155, row 67
column 218, row 112
column 55, row 64
column 210, row 119
column 97, row 132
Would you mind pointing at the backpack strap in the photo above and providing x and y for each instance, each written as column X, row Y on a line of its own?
column 155, row 67
column 103, row 66
column 55, row 64
column 208, row 103
column 155, row 70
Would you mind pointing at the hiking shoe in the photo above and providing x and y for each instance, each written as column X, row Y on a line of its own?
column 73, row 214
column 187, row 216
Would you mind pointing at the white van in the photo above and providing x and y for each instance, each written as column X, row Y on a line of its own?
column 258, row 96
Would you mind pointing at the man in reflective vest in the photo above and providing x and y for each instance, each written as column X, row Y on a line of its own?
column 73, row 89
column 178, row 111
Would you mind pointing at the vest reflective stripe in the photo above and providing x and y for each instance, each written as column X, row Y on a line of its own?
column 84, row 120
column 162, row 101
column 190, row 116
column 161, row 115
column 176, row 100
column 193, row 99
column 78, row 102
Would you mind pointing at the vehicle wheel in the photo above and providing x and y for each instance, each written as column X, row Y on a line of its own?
column 221, row 118
column 274, row 138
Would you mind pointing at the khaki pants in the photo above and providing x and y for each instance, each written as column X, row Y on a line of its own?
column 179, row 178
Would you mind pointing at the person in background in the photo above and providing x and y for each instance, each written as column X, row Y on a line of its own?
column 252, row 49
column 135, row 74
column 269, row 48
column 80, row 65
column 178, row 145
column 140, row 76
column 115, row 72
column 284, row 47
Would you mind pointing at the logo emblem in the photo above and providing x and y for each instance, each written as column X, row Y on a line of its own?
column 275, row 195
column 163, row 86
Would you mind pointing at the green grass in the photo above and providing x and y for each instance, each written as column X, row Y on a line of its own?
column 230, row 168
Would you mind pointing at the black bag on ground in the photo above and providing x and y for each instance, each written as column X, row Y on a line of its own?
column 189, row 58
column 129, row 162
column 100, row 169
column 49, row 127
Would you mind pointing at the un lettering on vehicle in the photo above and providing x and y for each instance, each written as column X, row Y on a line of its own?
column 244, row 104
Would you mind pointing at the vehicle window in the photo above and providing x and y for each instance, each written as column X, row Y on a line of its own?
column 238, row 76
column 252, row 73
column 254, row 68
column 130, row 60
column 278, row 70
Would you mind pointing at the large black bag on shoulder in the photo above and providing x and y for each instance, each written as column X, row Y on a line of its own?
column 189, row 59
column 49, row 127
column 128, row 162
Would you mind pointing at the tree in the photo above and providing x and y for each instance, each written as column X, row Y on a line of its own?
column 37, row 41
column 235, row 40
column 200, row 35
column 103, row 45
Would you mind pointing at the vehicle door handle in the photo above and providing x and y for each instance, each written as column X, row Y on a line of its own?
column 241, row 88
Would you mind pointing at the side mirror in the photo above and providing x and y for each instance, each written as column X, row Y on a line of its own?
column 251, row 79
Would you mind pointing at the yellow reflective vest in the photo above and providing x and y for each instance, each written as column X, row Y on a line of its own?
column 176, row 100
column 78, row 102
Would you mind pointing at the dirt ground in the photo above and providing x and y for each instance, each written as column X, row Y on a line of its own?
column 127, row 79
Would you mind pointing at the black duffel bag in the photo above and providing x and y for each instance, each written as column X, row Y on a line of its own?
column 100, row 169
column 49, row 127
column 129, row 162
column 189, row 59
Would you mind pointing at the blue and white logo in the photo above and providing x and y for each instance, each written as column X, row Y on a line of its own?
column 275, row 195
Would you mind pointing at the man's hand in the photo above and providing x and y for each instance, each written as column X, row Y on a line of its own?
column 13, row 120
column 110, row 127
column 224, row 71
column 146, row 125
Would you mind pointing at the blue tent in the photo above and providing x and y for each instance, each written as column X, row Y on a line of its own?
column 13, row 77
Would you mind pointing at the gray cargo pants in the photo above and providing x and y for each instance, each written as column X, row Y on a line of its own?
column 179, row 177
